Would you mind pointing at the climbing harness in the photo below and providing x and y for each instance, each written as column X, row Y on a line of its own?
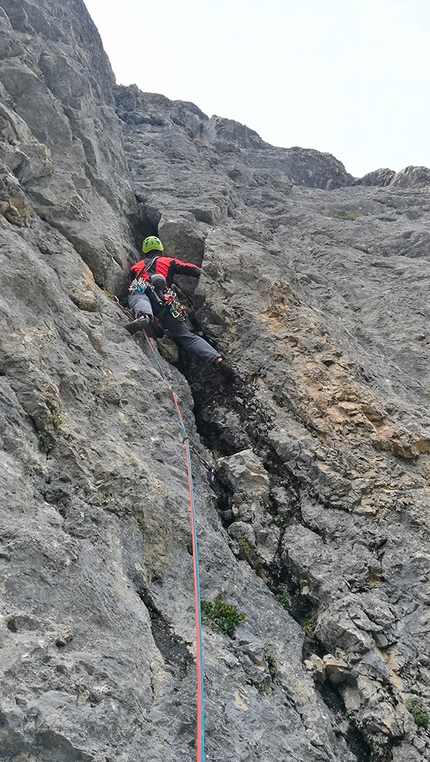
column 167, row 298
column 200, row 735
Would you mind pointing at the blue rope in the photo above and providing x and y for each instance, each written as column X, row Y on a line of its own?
column 200, row 676
column 200, row 744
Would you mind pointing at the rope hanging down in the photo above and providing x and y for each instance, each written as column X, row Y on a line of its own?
column 200, row 740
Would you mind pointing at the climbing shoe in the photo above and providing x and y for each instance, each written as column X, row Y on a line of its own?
column 139, row 324
column 225, row 369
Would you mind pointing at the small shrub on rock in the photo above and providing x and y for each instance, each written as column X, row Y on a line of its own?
column 221, row 616
column 46, row 442
column 284, row 601
column 418, row 711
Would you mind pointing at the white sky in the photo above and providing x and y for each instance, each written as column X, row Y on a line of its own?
column 350, row 77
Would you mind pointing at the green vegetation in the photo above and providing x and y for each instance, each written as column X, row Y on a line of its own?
column 308, row 624
column 278, row 518
column 342, row 215
column 250, row 553
column 246, row 546
column 418, row 711
column 58, row 419
column 46, row 438
column 271, row 661
column 284, row 601
column 221, row 616
column 46, row 442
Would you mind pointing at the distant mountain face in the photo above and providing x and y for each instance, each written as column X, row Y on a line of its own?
column 311, row 470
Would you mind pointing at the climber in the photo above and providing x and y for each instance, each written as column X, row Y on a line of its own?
column 155, row 304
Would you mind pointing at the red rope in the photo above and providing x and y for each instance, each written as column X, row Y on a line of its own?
column 200, row 735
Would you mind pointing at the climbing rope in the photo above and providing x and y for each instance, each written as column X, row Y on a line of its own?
column 200, row 736
column 200, row 747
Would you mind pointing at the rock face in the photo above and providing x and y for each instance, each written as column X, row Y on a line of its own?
column 62, row 144
column 311, row 470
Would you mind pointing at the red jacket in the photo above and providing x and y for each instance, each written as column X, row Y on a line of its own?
column 167, row 266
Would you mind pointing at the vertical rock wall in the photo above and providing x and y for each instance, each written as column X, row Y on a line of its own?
column 315, row 527
column 318, row 297
column 62, row 144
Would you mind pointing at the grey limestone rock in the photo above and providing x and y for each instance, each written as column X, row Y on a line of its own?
column 378, row 177
column 309, row 294
column 311, row 470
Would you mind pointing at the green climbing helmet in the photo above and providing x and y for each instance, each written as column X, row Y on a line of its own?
column 151, row 243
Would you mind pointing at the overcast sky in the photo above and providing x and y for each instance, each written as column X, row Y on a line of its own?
column 350, row 77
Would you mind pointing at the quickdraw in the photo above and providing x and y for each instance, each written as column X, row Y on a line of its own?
column 170, row 299
column 138, row 284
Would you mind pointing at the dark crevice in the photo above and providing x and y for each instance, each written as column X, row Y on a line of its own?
column 141, row 226
column 354, row 739
column 11, row 625
column 172, row 648
column 224, row 493
column 287, row 592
